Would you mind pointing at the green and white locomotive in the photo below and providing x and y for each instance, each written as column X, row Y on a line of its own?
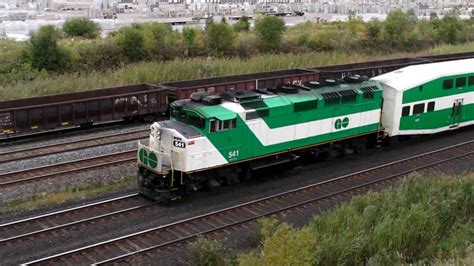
column 216, row 139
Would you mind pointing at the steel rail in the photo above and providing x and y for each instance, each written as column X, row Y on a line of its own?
column 67, row 171
column 10, row 155
column 82, row 221
column 265, row 199
column 46, row 215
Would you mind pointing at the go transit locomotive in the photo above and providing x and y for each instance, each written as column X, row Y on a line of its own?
column 215, row 139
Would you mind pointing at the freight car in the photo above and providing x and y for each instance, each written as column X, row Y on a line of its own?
column 216, row 139
column 45, row 113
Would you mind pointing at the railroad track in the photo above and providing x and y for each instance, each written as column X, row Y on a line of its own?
column 60, row 220
column 72, row 145
column 64, row 168
column 327, row 193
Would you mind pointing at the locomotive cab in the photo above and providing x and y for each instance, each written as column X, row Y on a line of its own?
column 175, row 149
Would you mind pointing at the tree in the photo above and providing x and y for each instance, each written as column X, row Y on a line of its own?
column 242, row 25
column 81, row 27
column 44, row 51
column 396, row 26
column 189, row 36
column 450, row 28
column 374, row 30
column 269, row 31
column 220, row 39
column 165, row 43
column 132, row 42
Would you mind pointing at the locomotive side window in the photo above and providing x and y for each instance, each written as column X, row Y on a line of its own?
column 212, row 125
column 418, row 108
column 447, row 84
column 216, row 125
column 460, row 82
column 406, row 111
column 471, row 80
column 196, row 121
column 431, row 107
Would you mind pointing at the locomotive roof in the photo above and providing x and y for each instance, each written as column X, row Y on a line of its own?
column 416, row 75
column 222, row 111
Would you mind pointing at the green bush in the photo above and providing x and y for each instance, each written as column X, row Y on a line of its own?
column 189, row 36
column 269, row 31
column 423, row 220
column 81, row 27
column 210, row 252
column 220, row 39
column 133, row 43
column 44, row 51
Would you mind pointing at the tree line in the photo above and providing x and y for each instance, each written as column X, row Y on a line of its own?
column 78, row 47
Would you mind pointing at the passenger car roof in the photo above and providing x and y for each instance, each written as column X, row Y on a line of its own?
column 409, row 77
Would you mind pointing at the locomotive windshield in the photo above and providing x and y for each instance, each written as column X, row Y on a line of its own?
column 178, row 114
column 189, row 117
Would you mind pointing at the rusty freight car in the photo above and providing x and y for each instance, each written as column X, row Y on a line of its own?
column 45, row 113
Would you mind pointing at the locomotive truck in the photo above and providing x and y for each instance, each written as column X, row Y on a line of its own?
column 211, row 140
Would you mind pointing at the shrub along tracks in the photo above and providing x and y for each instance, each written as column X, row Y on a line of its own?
column 151, row 241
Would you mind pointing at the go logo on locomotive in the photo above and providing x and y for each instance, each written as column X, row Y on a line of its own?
column 341, row 123
column 148, row 158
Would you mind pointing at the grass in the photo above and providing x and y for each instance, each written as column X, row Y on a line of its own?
column 75, row 193
column 424, row 220
column 184, row 69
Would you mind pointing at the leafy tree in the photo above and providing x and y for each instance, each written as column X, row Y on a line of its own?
column 242, row 25
column 269, row 31
column 220, row 39
column 396, row 26
column 81, row 27
column 374, row 30
column 165, row 42
column 44, row 51
column 132, row 42
column 450, row 28
column 189, row 36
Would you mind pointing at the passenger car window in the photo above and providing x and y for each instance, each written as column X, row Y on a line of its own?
column 447, row 84
column 406, row 111
column 431, row 107
column 460, row 82
column 418, row 108
column 471, row 80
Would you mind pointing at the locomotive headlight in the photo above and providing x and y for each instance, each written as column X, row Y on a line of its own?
column 158, row 135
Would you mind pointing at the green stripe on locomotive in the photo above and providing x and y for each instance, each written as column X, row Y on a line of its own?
column 241, row 143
